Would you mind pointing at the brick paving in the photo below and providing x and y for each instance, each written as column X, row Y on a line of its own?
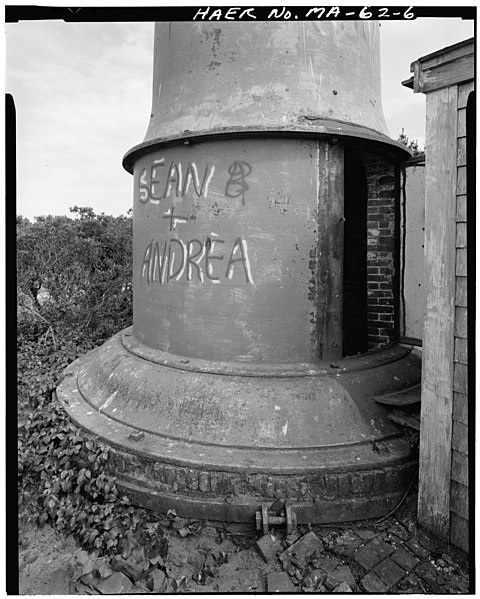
column 371, row 583
column 374, row 552
column 394, row 556
column 417, row 548
column 405, row 560
column 389, row 572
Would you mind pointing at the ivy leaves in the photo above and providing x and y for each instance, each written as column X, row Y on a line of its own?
column 74, row 291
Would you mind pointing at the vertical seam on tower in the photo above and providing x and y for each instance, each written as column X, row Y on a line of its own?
column 318, row 349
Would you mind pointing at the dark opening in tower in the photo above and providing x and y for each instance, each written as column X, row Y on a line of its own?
column 355, row 324
column 369, row 296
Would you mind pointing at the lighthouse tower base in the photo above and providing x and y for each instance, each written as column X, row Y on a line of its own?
column 216, row 441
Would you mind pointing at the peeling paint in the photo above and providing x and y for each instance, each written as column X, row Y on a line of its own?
column 108, row 401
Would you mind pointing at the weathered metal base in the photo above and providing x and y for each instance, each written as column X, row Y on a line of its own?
column 216, row 440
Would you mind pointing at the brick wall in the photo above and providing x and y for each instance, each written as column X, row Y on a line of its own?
column 382, row 186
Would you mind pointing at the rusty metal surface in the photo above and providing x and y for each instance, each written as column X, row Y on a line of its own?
column 231, row 383
column 404, row 397
column 302, row 77
column 342, row 483
column 205, row 427
column 329, row 296
column 358, row 137
column 320, row 512
column 373, row 359
column 250, row 416
column 229, row 250
column 209, row 75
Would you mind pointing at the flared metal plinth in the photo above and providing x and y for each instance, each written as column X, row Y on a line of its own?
column 216, row 440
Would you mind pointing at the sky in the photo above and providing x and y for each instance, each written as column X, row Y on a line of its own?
column 83, row 97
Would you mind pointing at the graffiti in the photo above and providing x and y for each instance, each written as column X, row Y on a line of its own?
column 195, row 260
column 159, row 181
column 174, row 176
column 174, row 219
column 240, row 244
column 236, row 185
column 209, row 256
column 201, row 259
column 153, row 187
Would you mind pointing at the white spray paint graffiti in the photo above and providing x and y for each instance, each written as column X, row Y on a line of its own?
column 153, row 187
column 178, row 258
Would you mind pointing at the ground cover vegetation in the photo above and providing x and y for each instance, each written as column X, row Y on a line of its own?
column 74, row 291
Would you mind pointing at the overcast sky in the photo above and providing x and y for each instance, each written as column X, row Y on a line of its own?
column 83, row 96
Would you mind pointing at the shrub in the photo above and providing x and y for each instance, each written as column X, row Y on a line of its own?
column 74, row 290
column 74, row 274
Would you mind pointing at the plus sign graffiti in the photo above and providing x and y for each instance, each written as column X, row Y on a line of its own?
column 173, row 218
column 236, row 184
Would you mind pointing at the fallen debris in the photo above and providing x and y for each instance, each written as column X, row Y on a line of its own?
column 399, row 531
column 309, row 546
column 365, row 534
column 269, row 546
column 346, row 543
column 340, row 575
column 279, row 582
column 343, row 588
column 214, row 560
column 156, row 581
column 291, row 538
column 116, row 584
column 317, row 577
column 132, row 567
column 326, row 563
